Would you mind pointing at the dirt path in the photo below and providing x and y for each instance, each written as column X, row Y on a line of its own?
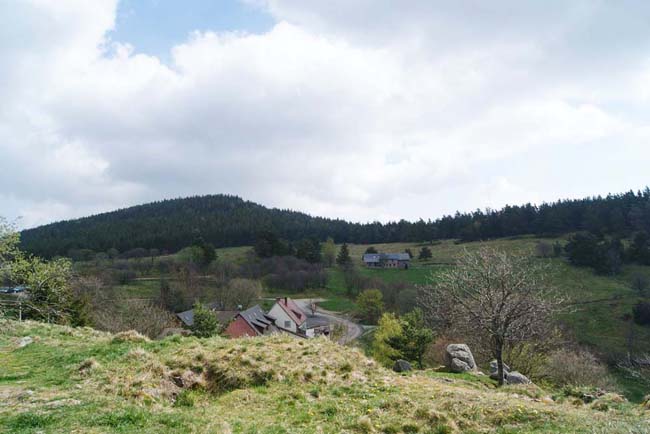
column 353, row 330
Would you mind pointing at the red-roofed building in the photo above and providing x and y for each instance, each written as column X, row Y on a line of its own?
column 289, row 316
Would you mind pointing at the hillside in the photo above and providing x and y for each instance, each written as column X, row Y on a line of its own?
column 170, row 225
column 83, row 380
column 600, row 304
column 224, row 221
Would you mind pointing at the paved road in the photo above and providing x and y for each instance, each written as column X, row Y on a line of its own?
column 353, row 330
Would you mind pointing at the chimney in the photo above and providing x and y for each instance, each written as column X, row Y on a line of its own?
column 286, row 300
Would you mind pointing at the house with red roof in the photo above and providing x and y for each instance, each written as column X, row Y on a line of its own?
column 288, row 316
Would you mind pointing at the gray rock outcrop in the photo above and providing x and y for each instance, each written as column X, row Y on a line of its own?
column 402, row 366
column 515, row 377
column 25, row 341
column 459, row 358
column 509, row 377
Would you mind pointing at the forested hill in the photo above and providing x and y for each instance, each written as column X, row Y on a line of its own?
column 223, row 220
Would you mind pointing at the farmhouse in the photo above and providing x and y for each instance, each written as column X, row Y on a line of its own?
column 251, row 322
column 288, row 316
column 387, row 260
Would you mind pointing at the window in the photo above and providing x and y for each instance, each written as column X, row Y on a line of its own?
column 287, row 324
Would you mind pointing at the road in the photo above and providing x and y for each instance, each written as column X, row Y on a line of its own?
column 353, row 330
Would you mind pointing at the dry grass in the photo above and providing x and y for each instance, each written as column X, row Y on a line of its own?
column 94, row 382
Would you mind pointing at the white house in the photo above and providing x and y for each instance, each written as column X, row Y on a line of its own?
column 289, row 316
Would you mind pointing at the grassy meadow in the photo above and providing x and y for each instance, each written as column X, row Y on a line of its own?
column 82, row 380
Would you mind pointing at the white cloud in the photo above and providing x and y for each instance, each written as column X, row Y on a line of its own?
column 347, row 109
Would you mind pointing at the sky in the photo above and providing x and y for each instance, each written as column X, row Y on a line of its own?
column 355, row 109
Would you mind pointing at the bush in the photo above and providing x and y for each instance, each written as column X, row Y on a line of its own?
column 356, row 282
column 286, row 273
column 641, row 313
column 406, row 300
column 139, row 315
column 577, row 368
column 425, row 253
column 436, row 352
column 205, row 322
column 388, row 327
column 370, row 305
column 543, row 249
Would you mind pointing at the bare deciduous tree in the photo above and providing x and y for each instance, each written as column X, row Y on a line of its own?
column 493, row 296
column 240, row 292
column 543, row 249
column 639, row 283
column 139, row 315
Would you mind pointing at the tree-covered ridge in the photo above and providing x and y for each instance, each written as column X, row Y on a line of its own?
column 223, row 220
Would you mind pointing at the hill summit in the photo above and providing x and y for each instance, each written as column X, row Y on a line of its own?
column 227, row 221
column 64, row 380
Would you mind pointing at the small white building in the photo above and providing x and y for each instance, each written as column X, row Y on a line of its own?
column 289, row 316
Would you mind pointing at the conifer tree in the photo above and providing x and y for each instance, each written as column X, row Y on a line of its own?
column 343, row 259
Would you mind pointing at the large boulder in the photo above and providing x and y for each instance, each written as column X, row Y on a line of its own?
column 459, row 358
column 509, row 377
column 27, row 340
column 494, row 370
column 515, row 377
column 402, row 366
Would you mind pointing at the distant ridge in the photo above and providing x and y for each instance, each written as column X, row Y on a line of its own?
column 225, row 220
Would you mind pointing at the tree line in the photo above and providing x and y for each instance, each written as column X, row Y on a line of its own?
column 224, row 221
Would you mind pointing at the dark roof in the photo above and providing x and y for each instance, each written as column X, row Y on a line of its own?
column 187, row 317
column 316, row 321
column 223, row 316
column 377, row 257
column 371, row 257
column 257, row 319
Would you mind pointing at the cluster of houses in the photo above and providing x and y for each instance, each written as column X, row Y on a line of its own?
column 387, row 260
column 285, row 316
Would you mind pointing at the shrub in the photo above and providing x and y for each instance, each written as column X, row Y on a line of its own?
column 389, row 326
column 425, row 253
column 641, row 313
column 285, row 273
column 139, row 315
column 577, row 368
column 543, row 249
column 371, row 305
column 205, row 322
column 356, row 282
column 436, row 352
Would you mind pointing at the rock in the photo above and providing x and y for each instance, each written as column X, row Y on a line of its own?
column 458, row 365
column 515, row 377
column 402, row 366
column 509, row 377
column 494, row 367
column 494, row 370
column 25, row 341
column 459, row 358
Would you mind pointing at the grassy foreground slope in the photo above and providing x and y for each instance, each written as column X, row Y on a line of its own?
column 82, row 380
